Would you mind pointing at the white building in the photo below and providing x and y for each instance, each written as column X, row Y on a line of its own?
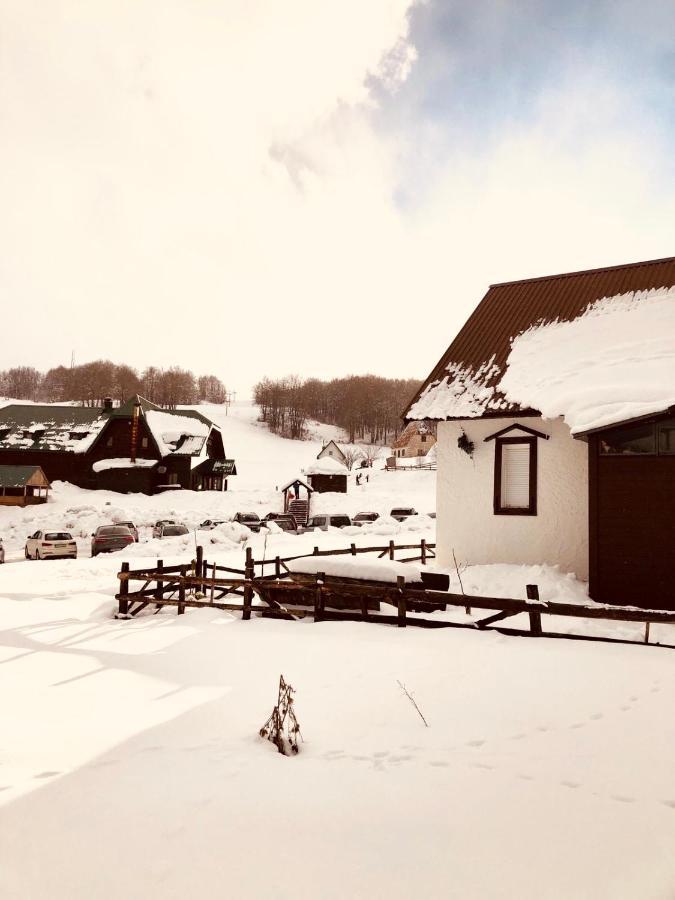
column 556, row 430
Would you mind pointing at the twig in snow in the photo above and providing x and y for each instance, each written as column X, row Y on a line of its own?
column 467, row 609
column 412, row 700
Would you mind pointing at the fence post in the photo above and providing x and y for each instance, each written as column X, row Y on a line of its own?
column 213, row 580
column 159, row 590
column 199, row 569
column 400, row 585
column 423, row 551
column 181, row 590
column 124, row 592
column 535, row 617
column 249, row 573
column 352, row 547
column 277, row 567
column 316, row 551
column 318, row 597
column 646, row 632
column 391, row 549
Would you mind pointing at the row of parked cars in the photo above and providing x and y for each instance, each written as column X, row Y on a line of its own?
column 61, row 544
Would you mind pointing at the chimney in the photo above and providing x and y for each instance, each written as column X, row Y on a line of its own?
column 134, row 430
column 107, row 403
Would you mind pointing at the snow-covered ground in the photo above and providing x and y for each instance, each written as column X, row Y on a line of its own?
column 130, row 762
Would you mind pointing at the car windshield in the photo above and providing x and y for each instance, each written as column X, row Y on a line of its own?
column 340, row 521
column 366, row 517
column 58, row 536
column 172, row 530
column 249, row 517
column 126, row 524
column 113, row 530
column 403, row 511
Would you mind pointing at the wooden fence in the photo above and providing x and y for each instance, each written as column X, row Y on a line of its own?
column 204, row 584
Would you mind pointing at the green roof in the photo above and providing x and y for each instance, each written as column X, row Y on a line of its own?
column 16, row 476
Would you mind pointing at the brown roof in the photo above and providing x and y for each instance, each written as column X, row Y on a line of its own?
column 411, row 429
column 510, row 308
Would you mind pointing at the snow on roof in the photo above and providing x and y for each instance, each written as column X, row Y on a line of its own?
column 168, row 429
column 325, row 466
column 123, row 463
column 462, row 393
column 613, row 363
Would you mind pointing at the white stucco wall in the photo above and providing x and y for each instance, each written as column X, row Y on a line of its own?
column 557, row 535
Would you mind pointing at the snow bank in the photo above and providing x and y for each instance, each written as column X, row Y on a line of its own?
column 369, row 568
column 613, row 363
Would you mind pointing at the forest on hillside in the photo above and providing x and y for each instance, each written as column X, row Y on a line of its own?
column 92, row 382
column 368, row 407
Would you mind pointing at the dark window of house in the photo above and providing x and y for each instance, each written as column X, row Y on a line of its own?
column 629, row 441
column 424, row 438
column 667, row 437
column 144, row 443
column 515, row 488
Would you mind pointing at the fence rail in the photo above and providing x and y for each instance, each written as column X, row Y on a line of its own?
column 283, row 594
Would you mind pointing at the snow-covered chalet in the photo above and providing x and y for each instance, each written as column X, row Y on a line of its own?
column 136, row 447
column 555, row 406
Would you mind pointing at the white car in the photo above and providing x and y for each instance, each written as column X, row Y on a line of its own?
column 159, row 524
column 50, row 545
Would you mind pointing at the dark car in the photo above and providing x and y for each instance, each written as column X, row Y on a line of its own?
column 172, row 530
column 250, row 520
column 363, row 518
column 107, row 538
column 210, row 524
column 132, row 528
column 401, row 513
column 286, row 525
column 157, row 527
column 277, row 517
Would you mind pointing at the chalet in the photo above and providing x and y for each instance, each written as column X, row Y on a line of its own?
column 23, row 486
column 416, row 439
column 133, row 447
column 555, row 406
column 332, row 451
column 327, row 475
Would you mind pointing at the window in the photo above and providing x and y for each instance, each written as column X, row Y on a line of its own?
column 144, row 443
column 515, row 490
column 652, row 438
column 424, row 438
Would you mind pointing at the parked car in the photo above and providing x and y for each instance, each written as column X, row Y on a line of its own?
column 157, row 527
column 401, row 513
column 107, row 538
column 326, row 521
column 173, row 530
column 2, row 552
column 432, row 515
column 132, row 528
column 210, row 524
column 276, row 517
column 287, row 525
column 250, row 520
column 363, row 518
column 50, row 545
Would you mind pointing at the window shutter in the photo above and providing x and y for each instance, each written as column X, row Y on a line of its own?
column 515, row 486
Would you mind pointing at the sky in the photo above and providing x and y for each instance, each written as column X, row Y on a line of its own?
column 251, row 188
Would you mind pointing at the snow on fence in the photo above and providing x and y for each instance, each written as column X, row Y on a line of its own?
column 325, row 591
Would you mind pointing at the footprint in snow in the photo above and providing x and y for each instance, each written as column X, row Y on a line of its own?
column 475, row 743
column 596, row 716
column 571, row 784
column 47, row 774
column 670, row 803
column 622, row 798
column 438, row 764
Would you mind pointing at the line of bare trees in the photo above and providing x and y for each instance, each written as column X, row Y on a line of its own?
column 92, row 382
column 368, row 407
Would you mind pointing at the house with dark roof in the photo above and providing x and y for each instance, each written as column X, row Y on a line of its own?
column 135, row 447
column 23, row 486
column 555, row 412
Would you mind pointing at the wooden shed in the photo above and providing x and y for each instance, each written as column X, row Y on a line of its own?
column 327, row 475
column 23, row 485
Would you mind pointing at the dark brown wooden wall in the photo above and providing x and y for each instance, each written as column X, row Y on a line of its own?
column 632, row 530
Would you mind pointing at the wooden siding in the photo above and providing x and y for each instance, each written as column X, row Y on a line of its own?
column 632, row 499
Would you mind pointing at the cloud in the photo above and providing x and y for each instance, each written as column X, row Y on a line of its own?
column 257, row 188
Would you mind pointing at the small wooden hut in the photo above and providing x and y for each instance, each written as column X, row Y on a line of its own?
column 294, row 502
column 23, row 485
column 327, row 475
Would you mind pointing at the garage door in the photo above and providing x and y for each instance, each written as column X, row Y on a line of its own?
column 634, row 533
